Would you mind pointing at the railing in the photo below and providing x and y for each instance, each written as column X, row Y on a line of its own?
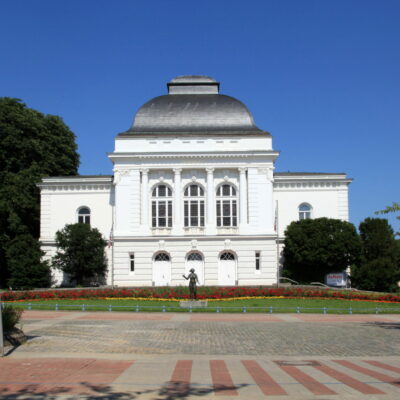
column 217, row 309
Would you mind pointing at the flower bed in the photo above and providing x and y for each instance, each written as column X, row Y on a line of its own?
column 209, row 293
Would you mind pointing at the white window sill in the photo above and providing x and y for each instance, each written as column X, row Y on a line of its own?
column 161, row 231
column 226, row 230
column 194, row 230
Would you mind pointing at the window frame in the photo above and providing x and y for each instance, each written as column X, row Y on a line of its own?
column 162, row 254
column 226, row 206
column 257, row 255
column 161, row 204
column 230, row 256
column 191, row 202
column 132, row 266
column 305, row 214
column 86, row 217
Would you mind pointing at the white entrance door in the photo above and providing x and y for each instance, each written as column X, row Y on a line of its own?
column 195, row 261
column 162, row 270
column 227, row 269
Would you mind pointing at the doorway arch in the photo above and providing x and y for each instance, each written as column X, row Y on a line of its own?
column 227, row 269
column 162, row 269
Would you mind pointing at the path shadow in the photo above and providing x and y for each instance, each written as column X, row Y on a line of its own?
column 169, row 391
column 385, row 325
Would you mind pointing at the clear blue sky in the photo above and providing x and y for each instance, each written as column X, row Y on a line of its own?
column 322, row 76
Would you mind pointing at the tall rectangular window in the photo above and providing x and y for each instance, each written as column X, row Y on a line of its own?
column 194, row 206
column 132, row 262
column 258, row 260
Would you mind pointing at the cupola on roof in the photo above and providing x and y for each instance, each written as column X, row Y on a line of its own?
column 193, row 105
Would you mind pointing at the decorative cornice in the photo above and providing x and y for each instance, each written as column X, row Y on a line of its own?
column 75, row 187
column 228, row 154
column 311, row 184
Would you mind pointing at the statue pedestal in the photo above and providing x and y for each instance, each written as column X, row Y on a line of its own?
column 193, row 303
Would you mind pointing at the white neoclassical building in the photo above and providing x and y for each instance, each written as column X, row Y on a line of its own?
column 194, row 186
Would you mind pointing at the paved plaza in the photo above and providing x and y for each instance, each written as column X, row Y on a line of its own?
column 160, row 356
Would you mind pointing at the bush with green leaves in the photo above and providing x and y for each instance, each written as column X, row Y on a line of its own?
column 11, row 316
column 316, row 247
column 27, row 270
column 80, row 254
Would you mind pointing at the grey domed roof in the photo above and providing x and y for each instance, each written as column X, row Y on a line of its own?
column 193, row 105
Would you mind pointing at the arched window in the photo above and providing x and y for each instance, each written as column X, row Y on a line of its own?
column 304, row 211
column 226, row 206
column 84, row 215
column 194, row 206
column 161, row 257
column 227, row 256
column 161, row 207
column 195, row 257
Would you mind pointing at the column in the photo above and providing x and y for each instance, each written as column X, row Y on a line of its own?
column 211, row 222
column 243, row 196
column 177, row 220
column 144, row 201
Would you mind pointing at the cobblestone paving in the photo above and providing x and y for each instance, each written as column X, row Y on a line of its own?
column 214, row 337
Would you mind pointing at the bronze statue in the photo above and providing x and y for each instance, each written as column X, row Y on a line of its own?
column 193, row 279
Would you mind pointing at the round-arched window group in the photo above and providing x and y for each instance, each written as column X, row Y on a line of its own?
column 194, row 206
column 194, row 256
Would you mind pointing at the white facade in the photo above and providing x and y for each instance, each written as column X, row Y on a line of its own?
column 193, row 187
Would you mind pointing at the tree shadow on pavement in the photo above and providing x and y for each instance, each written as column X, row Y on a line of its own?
column 385, row 325
column 169, row 391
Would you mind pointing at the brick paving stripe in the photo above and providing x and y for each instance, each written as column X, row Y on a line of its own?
column 340, row 318
column 32, row 314
column 182, row 371
column 369, row 372
column 126, row 316
column 221, row 378
column 264, row 381
column 57, row 375
column 383, row 365
column 233, row 318
column 348, row 380
column 307, row 381
column 179, row 385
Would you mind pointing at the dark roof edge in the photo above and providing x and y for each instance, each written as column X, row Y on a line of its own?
column 77, row 176
column 131, row 133
column 307, row 173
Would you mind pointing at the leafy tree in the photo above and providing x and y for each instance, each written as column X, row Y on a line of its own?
column 395, row 207
column 379, row 267
column 81, row 253
column 32, row 145
column 316, row 247
column 27, row 269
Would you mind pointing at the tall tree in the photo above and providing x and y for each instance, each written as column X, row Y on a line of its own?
column 394, row 208
column 32, row 145
column 80, row 254
column 379, row 267
column 316, row 247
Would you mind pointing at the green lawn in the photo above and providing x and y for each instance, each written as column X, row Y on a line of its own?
column 280, row 305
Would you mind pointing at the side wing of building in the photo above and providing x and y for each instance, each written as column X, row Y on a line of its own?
column 309, row 195
column 68, row 200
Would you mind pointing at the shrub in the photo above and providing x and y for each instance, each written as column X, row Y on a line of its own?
column 11, row 316
column 379, row 268
column 81, row 254
column 316, row 247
